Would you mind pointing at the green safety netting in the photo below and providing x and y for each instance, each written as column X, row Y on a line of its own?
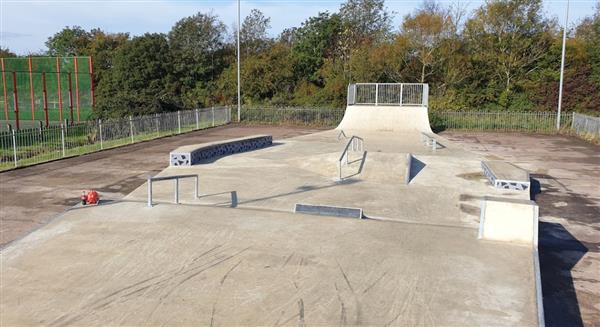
column 29, row 84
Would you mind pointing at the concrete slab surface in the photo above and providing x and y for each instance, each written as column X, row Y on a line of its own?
column 127, row 264
column 446, row 188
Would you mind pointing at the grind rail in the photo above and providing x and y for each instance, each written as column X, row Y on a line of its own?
column 356, row 144
column 176, row 178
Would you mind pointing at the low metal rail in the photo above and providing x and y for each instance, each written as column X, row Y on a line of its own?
column 176, row 178
column 355, row 143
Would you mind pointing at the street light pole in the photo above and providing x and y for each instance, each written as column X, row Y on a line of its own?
column 239, row 99
column 562, row 68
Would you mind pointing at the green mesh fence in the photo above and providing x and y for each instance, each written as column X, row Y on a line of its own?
column 74, row 98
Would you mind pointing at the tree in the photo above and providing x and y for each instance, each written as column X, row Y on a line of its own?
column 368, row 19
column 6, row 53
column 195, row 43
column 101, row 48
column 426, row 30
column 313, row 42
column 70, row 41
column 140, row 81
column 253, row 34
column 507, row 38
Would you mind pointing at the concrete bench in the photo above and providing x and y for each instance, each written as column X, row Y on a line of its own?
column 188, row 155
column 429, row 140
column 505, row 175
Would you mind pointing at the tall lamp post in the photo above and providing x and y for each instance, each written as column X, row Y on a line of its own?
column 238, row 51
column 562, row 67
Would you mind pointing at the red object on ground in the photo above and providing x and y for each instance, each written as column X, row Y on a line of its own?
column 90, row 197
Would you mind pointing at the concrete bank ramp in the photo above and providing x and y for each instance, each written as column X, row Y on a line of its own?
column 386, row 119
column 386, row 167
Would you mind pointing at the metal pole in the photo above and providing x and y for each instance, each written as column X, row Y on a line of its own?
column 62, row 138
column 213, row 116
column 14, row 139
column 31, row 91
column 59, row 91
column 179, row 121
column 150, row 191
column 376, row 93
column 562, row 67
column 131, row 128
column 239, row 100
column 4, row 89
column 197, row 119
column 70, row 98
column 77, row 89
column 100, row 127
column 45, row 96
column 196, row 189
column 16, row 99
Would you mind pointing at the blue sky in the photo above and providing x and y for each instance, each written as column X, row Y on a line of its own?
column 26, row 24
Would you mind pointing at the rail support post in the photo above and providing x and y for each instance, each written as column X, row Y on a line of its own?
column 213, row 116
column 197, row 119
column 14, row 140
column 196, row 188
column 179, row 121
column 176, row 190
column 131, row 128
column 62, row 139
column 149, row 191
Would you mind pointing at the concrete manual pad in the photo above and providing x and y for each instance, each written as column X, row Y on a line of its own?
column 507, row 171
column 126, row 264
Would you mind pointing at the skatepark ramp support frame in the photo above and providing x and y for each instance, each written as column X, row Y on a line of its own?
column 388, row 94
column 176, row 178
column 355, row 143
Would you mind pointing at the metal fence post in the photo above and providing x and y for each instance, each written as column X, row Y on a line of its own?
column 197, row 119
column 131, row 128
column 100, row 128
column 401, row 90
column 213, row 116
column 62, row 137
column 14, row 139
column 229, row 115
column 376, row 93
column 157, row 125
column 179, row 121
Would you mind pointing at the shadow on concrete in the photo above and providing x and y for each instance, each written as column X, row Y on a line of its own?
column 559, row 252
column 362, row 160
column 416, row 166
column 535, row 188
column 232, row 203
column 301, row 189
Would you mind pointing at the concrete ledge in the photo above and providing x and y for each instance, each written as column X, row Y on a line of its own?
column 328, row 211
column 188, row 155
column 505, row 175
column 509, row 220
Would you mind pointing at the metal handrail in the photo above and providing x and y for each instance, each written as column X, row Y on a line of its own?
column 176, row 178
column 357, row 145
column 388, row 94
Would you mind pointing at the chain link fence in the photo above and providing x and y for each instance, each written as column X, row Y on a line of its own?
column 31, row 146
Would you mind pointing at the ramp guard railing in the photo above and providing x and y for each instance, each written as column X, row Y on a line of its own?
column 355, row 144
column 176, row 178
column 388, row 94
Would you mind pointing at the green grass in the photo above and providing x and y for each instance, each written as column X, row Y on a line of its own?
column 79, row 140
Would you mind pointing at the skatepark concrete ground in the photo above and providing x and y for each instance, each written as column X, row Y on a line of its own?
column 567, row 173
column 157, row 160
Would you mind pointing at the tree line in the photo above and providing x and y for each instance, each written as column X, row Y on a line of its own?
column 504, row 55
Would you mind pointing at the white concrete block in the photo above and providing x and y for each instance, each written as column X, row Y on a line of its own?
column 509, row 220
